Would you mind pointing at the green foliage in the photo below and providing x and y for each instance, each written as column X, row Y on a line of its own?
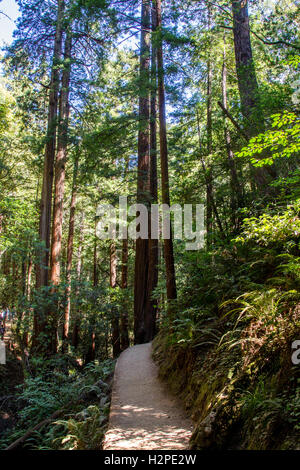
column 282, row 229
column 59, row 385
column 238, row 298
column 281, row 142
column 80, row 435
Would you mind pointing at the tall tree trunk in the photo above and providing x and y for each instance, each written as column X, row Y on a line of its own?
column 91, row 353
column 28, row 295
column 69, row 259
column 168, row 244
column 60, row 183
column 236, row 189
column 124, row 284
column 46, row 196
column 75, row 332
column 209, row 175
column 143, row 190
column 247, row 82
column 28, row 281
column 151, row 305
column 209, row 189
column 115, row 324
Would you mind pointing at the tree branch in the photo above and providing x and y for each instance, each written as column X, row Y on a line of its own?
column 234, row 122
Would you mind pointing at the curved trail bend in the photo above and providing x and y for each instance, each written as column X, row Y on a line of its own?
column 144, row 416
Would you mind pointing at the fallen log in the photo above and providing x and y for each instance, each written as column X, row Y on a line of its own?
column 100, row 384
column 38, row 426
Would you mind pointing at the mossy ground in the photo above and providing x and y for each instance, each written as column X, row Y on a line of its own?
column 236, row 400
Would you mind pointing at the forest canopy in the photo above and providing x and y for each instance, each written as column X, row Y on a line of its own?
column 163, row 102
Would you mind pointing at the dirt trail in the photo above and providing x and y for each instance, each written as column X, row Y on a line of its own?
column 144, row 416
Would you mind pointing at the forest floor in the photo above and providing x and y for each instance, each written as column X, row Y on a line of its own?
column 144, row 415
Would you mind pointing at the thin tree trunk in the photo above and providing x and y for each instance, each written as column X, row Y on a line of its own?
column 28, row 295
column 60, row 183
column 69, row 259
column 115, row 324
column 209, row 175
column 29, row 274
column 124, row 284
column 209, row 186
column 46, row 197
column 143, row 190
column 75, row 333
column 91, row 354
column 168, row 244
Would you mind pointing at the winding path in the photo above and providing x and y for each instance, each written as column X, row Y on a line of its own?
column 144, row 416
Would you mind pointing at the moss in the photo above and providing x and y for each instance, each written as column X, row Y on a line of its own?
column 232, row 405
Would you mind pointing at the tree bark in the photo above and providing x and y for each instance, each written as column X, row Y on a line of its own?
column 247, row 82
column 209, row 190
column 69, row 259
column 115, row 324
column 151, row 305
column 143, row 189
column 46, row 196
column 60, row 183
column 209, row 175
column 75, row 332
column 124, row 284
column 236, row 189
column 168, row 244
column 91, row 353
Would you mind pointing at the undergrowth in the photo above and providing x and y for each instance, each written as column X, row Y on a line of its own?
column 229, row 352
column 81, row 399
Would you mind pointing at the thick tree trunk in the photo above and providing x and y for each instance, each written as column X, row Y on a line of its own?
column 60, row 183
column 46, row 196
column 151, row 305
column 236, row 188
column 247, row 83
column 168, row 244
column 143, row 190
column 69, row 259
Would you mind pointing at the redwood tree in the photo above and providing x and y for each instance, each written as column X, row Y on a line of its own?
column 143, row 189
column 59, row 185
column 46, row 196
column 151, row 305
column 168, row 243
column 247, row 83
column 69, row 258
